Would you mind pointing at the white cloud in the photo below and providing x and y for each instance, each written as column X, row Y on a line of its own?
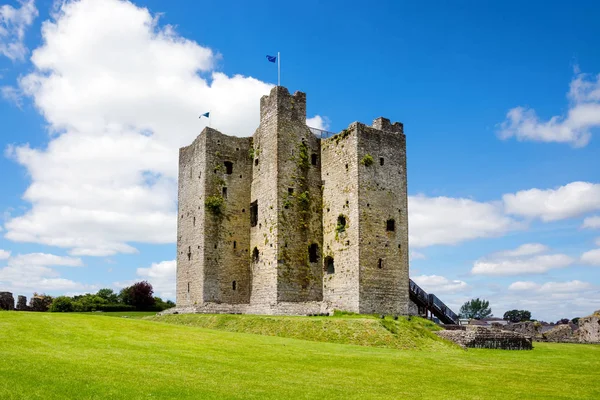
column 43, row 259
column 592, row 222
column 550, row 287
column 415, row 255
column 318, row 122
column 591, row 257
column 574, row 127
column 523, row 260
column 162, row 277
column 598, row 241
column 120, row 99
column 525, row 250
column 4, row 254
column 26, row 273
column 567, row 201
column 439, row 285
column 13, row 23
column 446, row 220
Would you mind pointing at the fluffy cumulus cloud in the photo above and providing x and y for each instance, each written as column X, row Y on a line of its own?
column 120, row 98
column 13, row 24
column 162, row 277
column 571, row 200
column 574, row 127
column 526, row 259
column 592, row 222
column 415, row 255
column 446, row 220
column 25, row 273
column 318, row 122
column 439, row 284
column 591, row 257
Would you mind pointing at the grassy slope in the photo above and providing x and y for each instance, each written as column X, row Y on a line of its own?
column 363, row 330
column 61, row 356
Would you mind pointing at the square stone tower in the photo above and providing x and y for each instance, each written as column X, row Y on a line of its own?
column 294, row 220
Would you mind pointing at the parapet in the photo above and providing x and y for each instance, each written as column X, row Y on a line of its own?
column 383, row 124
column 281, row 102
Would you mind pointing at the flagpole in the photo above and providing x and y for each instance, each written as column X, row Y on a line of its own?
column 278, row 69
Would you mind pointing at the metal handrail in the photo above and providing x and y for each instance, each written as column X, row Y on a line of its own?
column 320, row 133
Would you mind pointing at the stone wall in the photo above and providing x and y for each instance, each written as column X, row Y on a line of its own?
column 22, row 303
column 485, row 338
column 589, row 328
column 7, row 301
column 383, row 225
column 341, row 220
column 226, row 229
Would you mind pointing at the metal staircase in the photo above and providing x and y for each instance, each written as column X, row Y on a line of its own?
column 429, row 303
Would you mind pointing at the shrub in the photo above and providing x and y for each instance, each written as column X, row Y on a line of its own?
column 214, row 204
column 61, row 304
column 139, row 295
column 115, row 307
column 367, row 160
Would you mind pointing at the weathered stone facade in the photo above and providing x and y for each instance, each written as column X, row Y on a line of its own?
column 7, row 301
column 486, row 338
column 288, row 223
column 589, row 328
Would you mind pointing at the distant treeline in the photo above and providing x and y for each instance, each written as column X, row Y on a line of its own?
column 137, row 297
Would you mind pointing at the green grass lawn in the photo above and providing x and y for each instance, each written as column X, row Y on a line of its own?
column 79, row 356
column 126, row 314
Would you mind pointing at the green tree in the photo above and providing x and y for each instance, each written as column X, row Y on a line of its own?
column 61, row 304
column 109, row 295
column 476, row 309
column 517, row 316
column 138, row 295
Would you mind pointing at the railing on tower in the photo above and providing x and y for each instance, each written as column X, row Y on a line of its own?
column 320, row 133
column 432, row 304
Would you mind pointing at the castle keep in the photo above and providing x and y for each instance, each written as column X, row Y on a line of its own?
column 290, row 222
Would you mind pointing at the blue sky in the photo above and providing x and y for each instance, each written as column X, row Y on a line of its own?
column 500, row 102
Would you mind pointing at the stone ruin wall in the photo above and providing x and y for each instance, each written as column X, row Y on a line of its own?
column 7, row 301
column 484, row 338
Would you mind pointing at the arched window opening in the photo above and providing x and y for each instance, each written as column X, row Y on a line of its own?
column 313, row 159
column 255, row 255
column 313, row 253
column 224, row 192
column 234, row 244
column 380, row 264
column 234, row 285
column 329, row 267
column 380, row 160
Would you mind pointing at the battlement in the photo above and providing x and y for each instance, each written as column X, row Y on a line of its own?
column 281, row 102
column 383, row 124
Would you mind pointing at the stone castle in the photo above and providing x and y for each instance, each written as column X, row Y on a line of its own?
column 292, row 222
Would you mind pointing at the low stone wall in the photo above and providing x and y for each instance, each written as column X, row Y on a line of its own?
column 282, row 308
column 7, row 301
column 483, row 338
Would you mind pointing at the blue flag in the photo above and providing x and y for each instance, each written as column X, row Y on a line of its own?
column 207, row 115
column 272, row 59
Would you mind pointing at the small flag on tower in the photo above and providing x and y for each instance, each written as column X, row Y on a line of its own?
column 206, row 114
column 272, row 58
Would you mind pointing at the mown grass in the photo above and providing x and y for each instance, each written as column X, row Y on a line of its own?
column 415, row 334
column 75, row 356
column 126, row 314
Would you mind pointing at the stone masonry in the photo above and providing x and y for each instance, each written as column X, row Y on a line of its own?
column 287, row 222
column 7, row 301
